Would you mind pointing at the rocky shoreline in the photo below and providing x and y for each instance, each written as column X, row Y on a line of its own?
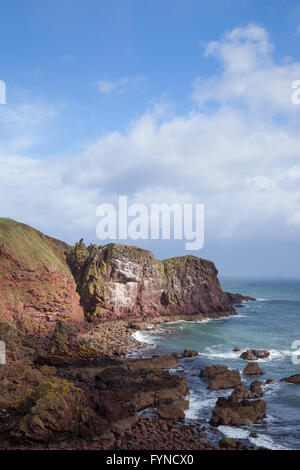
column 67, row 318
column 98, row 402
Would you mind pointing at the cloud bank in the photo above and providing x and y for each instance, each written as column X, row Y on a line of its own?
column 236, row 151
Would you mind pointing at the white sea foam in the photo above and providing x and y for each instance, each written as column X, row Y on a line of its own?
column 212, row 354
column 275, row 354
column 266, row 441
column 280, row 353
column 262, row 300
column 143, row 337
column 270, row 389
column 196, row 404
column 261, row 440
column 235, row 433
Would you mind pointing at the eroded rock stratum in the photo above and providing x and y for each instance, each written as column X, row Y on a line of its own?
column 118, row 281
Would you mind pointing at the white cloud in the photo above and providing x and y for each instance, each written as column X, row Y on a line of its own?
column 240, row 158
column 249, row 76
column 123, row 85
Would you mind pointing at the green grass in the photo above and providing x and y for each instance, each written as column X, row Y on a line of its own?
column 31, row 246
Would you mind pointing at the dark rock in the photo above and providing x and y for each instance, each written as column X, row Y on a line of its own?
column 190, row 353
column 254, row 354
column 253, row 434
column 231, row 412
column 227, row 443
column 212, row 371
column 236, row 349
column 253, row 369
column 228, row 379
column 269, row 381
column 256, row 389
column 186, row 353
column 240, row 391
column 238, row 298
column 293, row 379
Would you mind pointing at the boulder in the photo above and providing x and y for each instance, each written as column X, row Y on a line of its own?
column 269, row 381
column 190, row 353
column 254, row 354
column 252, row 368
column 57, row 407
column 212, row 371
column 231, row 412
column 236, row 349
column 256, row 389
column 293, row 379
column 228, row 379
column 227, row 443
column 186, row 353
column 240, row 391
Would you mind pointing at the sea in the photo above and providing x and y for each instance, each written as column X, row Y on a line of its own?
column 270, row 322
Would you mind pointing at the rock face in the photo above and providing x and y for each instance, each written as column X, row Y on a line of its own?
column 254, row 354
column 253, row 369
column 231, row 412
column 118, row 281
column 36, row 285
column 59, row 407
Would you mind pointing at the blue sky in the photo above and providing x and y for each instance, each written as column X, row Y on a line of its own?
column 165, row 101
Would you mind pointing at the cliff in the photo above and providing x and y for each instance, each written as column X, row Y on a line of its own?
column 44, row 280
column 36, row 285
column 93, row 396
column 118, row 281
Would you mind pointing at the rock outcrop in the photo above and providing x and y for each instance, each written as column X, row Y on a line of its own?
column 238, row 298
column 254, row 354
column 231, row 412
column 221, row 378
column 252, row 368
column 118, row 281
column 229, row 379
column 212, row 371
column 293, row 379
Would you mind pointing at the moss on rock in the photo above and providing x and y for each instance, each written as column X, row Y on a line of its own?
column 58, row 407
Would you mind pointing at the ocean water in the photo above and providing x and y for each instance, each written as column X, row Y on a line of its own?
column 271, row 322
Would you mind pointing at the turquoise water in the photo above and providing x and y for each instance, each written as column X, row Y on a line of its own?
column 273, row 323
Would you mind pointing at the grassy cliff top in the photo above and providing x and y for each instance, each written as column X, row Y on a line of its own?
column 31, row 246
column 115, row 250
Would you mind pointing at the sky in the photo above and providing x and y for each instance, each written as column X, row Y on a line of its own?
column 165, row 102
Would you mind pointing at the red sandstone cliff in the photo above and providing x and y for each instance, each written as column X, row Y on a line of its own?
column 36, row 285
